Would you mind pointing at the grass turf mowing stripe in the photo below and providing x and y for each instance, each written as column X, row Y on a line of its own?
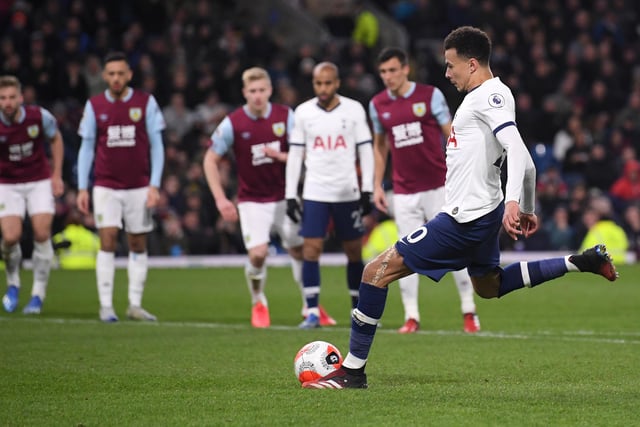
column 581, row 336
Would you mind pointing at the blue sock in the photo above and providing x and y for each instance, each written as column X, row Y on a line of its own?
column 311, row 282
column 371, row 304
column 537, row 272
column 354, row 275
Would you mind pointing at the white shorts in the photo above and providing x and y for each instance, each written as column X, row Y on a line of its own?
column 34, row 197
column 111, row 207
column 258, row 220
column 410, row 211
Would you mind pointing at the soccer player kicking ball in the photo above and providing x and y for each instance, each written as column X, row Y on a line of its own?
column 465, row 234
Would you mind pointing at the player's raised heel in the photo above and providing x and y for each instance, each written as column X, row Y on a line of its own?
column 596, row 260
column 34, row 306
column 10, row 299
column 338, row 379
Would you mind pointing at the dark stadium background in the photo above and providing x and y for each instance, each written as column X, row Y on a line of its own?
column 572, row 65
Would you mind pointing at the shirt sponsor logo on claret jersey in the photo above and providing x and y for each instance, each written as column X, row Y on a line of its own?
column 257, row 152
column 121, row 136
column 406, row 134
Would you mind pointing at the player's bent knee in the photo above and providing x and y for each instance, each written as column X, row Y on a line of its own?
column 10, row 239
column 41, row 237
column 486, row 293
column 487, row 286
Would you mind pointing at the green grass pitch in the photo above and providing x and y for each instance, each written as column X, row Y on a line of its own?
column 564, row 353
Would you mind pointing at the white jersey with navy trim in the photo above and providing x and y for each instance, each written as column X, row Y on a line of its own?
column 474, row 155
column 331, row 140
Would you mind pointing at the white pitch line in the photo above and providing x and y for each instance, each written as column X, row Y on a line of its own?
column 605, row 337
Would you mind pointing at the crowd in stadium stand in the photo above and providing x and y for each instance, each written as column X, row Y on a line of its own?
column 573, row 66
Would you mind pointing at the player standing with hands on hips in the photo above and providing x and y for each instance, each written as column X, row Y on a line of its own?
column 465, row 234
column 122, row 130
column 28, row 183
column 413, row 121
column 330, row 133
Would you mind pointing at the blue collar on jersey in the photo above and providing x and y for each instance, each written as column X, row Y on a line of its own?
column 406, row 95
column 21, row 115
column 125, row 99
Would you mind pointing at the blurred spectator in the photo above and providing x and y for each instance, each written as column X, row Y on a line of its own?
column 605, row 230
column 551, row 190
column 200, row 239
column 174, row 242
column 578, row 202
column 631, row 225
column 259, row 45
column 71, row 85
column 40, row 75
column 76, row 246
column 560, row 233
column 175, row 198
column 339, row 19
column 627, row 187
column 577, row 157
column 92, row 72
column 600, row 171
column 366, row 29
column 211, row 111
column 178, row 117
column 628, row 119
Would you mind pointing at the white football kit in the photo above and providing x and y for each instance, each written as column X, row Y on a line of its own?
column 473, row 186
column 330, row 140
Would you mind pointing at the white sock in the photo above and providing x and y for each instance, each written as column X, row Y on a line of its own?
column 570, row 266
column 12, row 257
column 42, row 257
column 256, row 279
column 105, row 272
column 137, row 271
column 353, row 362
column 296, row 270
column 465, row 289
column 409, row 294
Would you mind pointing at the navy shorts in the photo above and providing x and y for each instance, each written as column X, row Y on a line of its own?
column 346, row 216
column 444, row 245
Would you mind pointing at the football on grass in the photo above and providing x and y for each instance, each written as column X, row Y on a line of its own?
column 315, row 360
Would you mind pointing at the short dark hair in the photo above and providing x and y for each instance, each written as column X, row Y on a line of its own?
column 393, row 52
column 470, row 42
column 115, row 56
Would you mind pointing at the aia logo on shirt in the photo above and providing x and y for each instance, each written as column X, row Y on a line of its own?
column 452, row 142
column 329, row 144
